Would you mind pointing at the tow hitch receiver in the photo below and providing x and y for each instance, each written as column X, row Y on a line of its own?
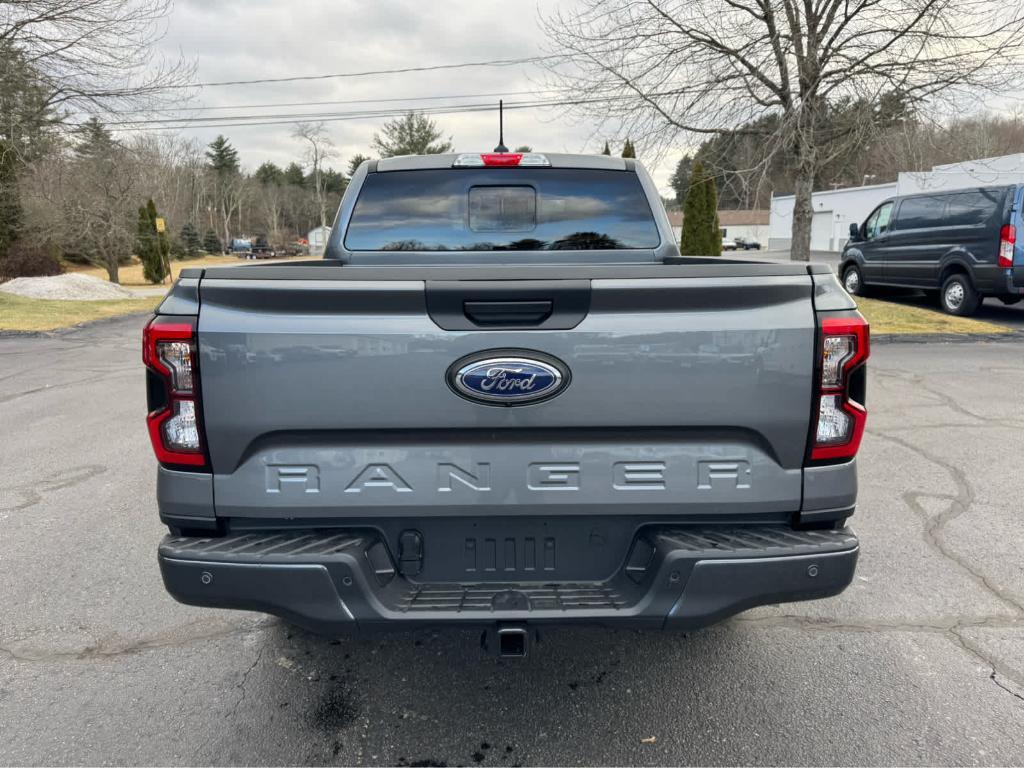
column 507, row 641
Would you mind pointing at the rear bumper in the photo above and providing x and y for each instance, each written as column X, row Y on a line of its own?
column 673, row 578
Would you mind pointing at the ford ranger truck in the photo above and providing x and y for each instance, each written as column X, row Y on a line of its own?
column 502, row 400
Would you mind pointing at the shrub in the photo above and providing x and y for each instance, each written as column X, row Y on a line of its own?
column 25, row 260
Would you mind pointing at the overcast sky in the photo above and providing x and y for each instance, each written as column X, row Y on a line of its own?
column 247, row 39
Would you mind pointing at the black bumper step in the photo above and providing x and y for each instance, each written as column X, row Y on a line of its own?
column 674, row 577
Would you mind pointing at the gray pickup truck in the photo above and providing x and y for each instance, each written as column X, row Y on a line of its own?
column 502, row 400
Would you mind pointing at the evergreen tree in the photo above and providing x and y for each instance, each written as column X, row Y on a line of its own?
column 151, row 246
column 701, row 234
column 211, row 243
column 190, row 239
column 222, row 158
column 94, row 140
column 607, row 150
column 628, row 150
column 680, row 181
column 10, row 202
column 412, row 134
column 269, row 173
column 293, row 175
column 355, row 161
column 523, row 148
column 334, row 182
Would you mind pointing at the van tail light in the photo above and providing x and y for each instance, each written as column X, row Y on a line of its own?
column 170, row 354
column 840, row 414
column 1007, row 239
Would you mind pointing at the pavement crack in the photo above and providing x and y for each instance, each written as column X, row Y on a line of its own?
column 19, row 651
column 934, row 527
column 997, row 669
column 243, row 681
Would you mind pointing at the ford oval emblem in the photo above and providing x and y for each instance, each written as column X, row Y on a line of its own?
column 508, row 379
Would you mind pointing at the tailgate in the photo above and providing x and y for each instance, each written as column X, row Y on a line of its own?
column 333, row 398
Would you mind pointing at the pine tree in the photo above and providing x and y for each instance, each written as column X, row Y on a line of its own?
column 293, row 175
column 221, row 157
column 94, row 140
column 190, row 239
column 211, row 243
column 10, row 202
column 151, row 246
column 607, row 149
column 412, row 134
column 628, row 150
column 701, row 234
column 355, row 161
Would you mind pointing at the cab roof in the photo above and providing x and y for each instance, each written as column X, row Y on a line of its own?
column 557, row 160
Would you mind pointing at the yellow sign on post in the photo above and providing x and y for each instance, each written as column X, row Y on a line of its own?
column 161, row 226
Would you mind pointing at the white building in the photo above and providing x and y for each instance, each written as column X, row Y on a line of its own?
column 318, row 238
column 750, row 225
column 834, row 210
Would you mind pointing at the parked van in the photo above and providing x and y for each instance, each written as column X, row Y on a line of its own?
column 958, row 245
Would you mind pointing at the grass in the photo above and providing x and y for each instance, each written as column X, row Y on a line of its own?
column 18, row 313
column 131, row 274
column 889, row 317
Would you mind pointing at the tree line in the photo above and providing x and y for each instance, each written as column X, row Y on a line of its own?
column 85, row 193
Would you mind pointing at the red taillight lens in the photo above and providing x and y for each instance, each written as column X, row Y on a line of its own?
column 1007, row 239
column 508, row 158
column 845, row 346
column 175, row 429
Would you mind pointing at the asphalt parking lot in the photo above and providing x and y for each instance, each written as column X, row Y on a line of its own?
column 921, row 661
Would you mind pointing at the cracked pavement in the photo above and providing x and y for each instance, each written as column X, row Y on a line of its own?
column 920, row 661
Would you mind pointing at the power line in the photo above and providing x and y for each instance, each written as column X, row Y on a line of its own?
column 331, row 117
column 314, row 116
column 495, row 94
column 367, row 73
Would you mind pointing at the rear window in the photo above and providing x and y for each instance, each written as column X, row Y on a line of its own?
column 967, row 208
column 921, row 212
column 501, row 209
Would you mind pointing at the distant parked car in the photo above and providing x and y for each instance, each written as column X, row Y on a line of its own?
column 729, row 245
column 747, row 244
column 241, row 248
column 261, row 249
column 960, row 246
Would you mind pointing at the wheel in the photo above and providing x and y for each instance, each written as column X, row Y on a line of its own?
column 958, row 296
column 852, row 280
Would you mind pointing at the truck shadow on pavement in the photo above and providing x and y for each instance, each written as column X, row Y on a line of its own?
column 383, row 699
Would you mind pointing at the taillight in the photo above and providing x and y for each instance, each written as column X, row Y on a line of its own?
column 175, row 428
column 840, row 418
column 499, row 159
column 1007, row 239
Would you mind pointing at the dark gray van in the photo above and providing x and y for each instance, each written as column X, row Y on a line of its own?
column 958, row 245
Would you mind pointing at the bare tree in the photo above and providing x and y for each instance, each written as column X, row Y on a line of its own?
column 318, row 148
column 95, row 56
column 662, row 68
column 86, row 205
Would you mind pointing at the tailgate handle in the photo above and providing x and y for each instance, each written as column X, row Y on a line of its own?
column 530, row 312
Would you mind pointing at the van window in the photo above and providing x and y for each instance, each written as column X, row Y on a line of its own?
column 967, row 208
column 922, row 212
column 878, row 222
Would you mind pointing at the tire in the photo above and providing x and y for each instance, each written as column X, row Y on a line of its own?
column 853, row 280
column 958, row 296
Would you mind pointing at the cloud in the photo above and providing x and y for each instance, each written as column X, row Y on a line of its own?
column 249, row 39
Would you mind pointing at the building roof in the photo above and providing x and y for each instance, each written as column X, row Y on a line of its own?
column 727, row 218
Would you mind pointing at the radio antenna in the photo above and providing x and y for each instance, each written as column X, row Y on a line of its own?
column 501, row 127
